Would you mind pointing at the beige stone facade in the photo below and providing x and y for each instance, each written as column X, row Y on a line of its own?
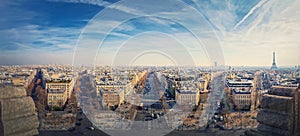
column 183, row 97
column 112, row 98
column 56, row 97
column 66, row 85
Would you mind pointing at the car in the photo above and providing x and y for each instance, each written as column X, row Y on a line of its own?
column 71, row 129
column 91, row 128
column 78, row 124
column 221, row 118
column 148, row 118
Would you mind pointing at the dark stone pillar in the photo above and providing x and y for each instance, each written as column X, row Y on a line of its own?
column 1, row 125
column 296, row 114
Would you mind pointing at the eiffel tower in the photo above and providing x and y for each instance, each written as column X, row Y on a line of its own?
column 274, row 67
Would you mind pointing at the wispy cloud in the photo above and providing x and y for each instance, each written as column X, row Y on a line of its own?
column 242, row 27
column 33, row 38
column 125, row 9
column 261, row 3
column 274, row 27
column 101, row 3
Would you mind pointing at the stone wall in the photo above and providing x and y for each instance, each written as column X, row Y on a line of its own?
column 17, row 113
column 296, row 113
column 279, row 114
column 1, row 125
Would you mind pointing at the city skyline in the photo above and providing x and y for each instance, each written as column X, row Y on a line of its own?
column 46, row 32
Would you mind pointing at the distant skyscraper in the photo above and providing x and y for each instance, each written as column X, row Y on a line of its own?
column 274, row 67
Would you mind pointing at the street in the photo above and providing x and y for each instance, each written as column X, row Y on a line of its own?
column 214, row 98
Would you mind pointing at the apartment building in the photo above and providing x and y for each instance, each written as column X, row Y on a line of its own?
column 112, row 98
column 241, row 92
column 56, row 97
column 187, row 97
column 64, row 84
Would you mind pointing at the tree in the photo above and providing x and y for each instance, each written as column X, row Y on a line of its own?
column 42, row 99
column 239, row 107
column 30, row 88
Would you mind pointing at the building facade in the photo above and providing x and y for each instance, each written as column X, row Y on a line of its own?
column 56, row 97
column 187, row 97
column 241, row 92
column 112, row 98
column 67, row 85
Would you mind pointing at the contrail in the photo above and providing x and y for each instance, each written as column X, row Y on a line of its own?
column 258, row 5
column 102, row 3
column 92, row 2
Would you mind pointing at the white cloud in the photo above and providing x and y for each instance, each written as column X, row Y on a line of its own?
column 102, row 3
column 92, row 2
column 258, row 5
column 125, row 27
column 267, row 26
column 276, row 27
column 125, row 8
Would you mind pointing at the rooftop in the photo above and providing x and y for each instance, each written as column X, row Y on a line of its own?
column 241, row 83
column 242, row 90
column 186, row 92
column 58, row 80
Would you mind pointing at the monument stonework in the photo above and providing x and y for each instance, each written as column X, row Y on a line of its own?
column 18, row 115
column 279, row 114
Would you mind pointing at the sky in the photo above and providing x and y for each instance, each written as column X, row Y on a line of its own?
column 156, row 32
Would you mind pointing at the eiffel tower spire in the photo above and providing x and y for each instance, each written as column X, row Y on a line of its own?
column 274, row 66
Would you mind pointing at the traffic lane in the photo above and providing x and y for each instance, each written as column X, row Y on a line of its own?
column 81, row 128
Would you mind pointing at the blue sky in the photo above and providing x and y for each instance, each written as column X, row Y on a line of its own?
column 231, row 32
